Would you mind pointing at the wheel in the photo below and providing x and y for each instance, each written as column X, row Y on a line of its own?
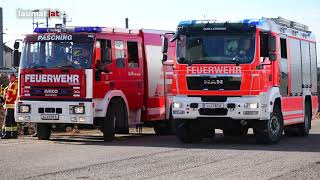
column 269, row 131
column 241, row 131
column 166, row 127
column 188, row 130
column 116, row 113
column 305, row 127
column 44, row 131
column 161, row 128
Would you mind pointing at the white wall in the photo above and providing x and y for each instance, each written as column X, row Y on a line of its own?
column 8, row 59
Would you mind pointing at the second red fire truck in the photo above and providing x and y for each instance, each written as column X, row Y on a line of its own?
column 259, row 74
column 108, row 77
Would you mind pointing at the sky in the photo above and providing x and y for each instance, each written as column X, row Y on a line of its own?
column 156, row 14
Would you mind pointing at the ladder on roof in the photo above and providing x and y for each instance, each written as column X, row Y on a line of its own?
column 290, row 24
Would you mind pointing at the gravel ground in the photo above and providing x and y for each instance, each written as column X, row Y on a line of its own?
column 148, row 156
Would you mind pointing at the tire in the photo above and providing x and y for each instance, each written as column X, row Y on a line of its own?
column 116, row 113
column 162, row 128
column 44, row 131
column 241, row 131
column 269, row 131
column 305, row 127
column 188, row 131
column 166, row 127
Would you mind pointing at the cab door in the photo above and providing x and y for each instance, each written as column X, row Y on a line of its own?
column 135, row 85
column 119, row 73
column 103, row 67
column 110, row 72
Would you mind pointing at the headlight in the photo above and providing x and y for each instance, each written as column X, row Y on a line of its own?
column 76, row 110
column 177, row 105
column 251, row 105
column 24, row 108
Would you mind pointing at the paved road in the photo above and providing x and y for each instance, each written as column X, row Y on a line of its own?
column 160, row 157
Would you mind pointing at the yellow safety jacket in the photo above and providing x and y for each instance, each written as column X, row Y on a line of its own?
column 10, row 94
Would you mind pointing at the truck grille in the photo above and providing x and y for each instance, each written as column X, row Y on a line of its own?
column 214, row 83
column 217, row 111
column 50, row 110
column 53, row 91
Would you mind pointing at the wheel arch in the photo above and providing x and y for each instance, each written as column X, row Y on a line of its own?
column 273, row 96
column 102, row 106
column 277, row 101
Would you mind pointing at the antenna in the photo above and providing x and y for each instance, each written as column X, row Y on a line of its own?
column 64, row 19
column 127, row 23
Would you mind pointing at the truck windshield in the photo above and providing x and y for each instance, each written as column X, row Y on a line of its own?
column 56, row 55
column 216, row 49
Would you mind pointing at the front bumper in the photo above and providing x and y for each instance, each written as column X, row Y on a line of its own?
column 185, row 107
column 64, row 115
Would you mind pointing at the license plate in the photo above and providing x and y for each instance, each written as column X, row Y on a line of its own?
column 213, row 105
column 50, row 117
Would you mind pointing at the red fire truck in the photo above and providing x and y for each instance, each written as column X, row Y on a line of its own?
column 107, row 77
column 259, row 74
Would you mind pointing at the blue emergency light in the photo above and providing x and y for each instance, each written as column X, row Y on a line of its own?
column 185, row 23
column 43, row 30
column 87, row 29
column 254, row 22
column 250, row 22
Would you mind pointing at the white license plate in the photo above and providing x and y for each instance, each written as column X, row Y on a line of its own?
column 50, row 117
column 213, row 105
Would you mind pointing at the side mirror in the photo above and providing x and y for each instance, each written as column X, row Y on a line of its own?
column 272, row 43
column 16, row 58
column 164, row 44
column 164, row 58
column 272, row 56
column 16, row 45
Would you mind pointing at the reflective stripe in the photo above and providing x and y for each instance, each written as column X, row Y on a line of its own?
column 8, row 128
column 292, row 112
column 293, row 121
column 11, row 129
column 11, row 106
column 156, row 111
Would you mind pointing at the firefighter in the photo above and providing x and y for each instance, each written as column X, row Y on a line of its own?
column 232, row 48
column 10, row 129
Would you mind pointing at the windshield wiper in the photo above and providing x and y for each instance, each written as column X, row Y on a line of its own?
column 66, row 66
column 237, row 60
column 37, row 66
column 202, row 61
